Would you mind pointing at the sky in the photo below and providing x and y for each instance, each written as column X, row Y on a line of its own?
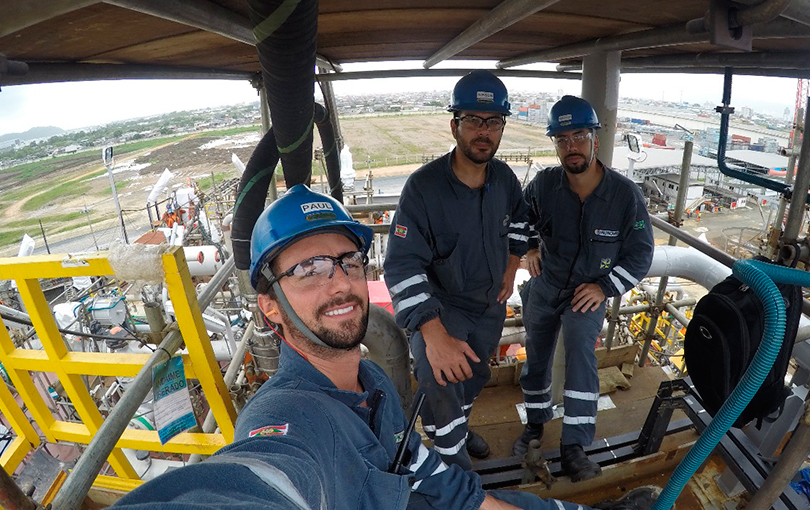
column 85, row 104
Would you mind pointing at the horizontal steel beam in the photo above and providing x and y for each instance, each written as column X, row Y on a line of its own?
column 507, row 13
column 767, row 60
column 206, row 16
column 54, row 73
column 17, row 16
column 778, row 73
column 670, row 35
column 430, row 73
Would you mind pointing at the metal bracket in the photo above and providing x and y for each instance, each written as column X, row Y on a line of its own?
column 722, row 31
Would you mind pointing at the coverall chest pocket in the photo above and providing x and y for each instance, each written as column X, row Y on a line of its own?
column 384, row 490
column 605, row 252
column 448, row 264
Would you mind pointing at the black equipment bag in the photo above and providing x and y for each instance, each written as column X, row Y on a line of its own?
column 722, row 339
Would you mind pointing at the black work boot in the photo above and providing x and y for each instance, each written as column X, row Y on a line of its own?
column 476, row 446
column 640, row 498
column 576, row 464
column 532, row 431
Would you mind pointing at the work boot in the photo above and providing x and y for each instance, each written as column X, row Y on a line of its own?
column 640, row 498
column 476, row 446
column 532, row 431
column 576, row 464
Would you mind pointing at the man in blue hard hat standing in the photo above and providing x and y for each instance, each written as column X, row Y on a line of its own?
column 455, row 243
column 590, row 239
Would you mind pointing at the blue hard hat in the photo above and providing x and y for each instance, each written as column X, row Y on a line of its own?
column 300, row 212
column 480, row 91
column 571, row 113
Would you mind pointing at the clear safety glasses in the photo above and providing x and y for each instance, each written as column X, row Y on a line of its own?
column 571, row 141
column 319, row 270
column 476, row 122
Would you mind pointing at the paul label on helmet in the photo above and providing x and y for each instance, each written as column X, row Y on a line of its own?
column 456, row 241
column 590, row 239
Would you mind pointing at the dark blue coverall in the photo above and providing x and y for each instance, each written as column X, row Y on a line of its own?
column 606, row 240
column 447, row 253
column 303, row 444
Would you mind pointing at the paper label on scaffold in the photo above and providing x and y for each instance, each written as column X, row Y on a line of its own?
column 173, row 411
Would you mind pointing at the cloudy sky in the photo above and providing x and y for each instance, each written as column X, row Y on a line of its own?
column 85, row 104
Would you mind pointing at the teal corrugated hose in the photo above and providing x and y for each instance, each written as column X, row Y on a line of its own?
column 760, row 276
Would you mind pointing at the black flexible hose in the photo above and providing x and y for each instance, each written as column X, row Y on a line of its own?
column 286, row 39
column 251, row 195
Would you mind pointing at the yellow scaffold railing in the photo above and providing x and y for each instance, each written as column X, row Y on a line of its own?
column 69, row 367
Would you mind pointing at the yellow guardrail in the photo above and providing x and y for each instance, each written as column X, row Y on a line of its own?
column 69, row 367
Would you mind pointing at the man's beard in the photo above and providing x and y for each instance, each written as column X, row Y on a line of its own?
column 474, row 155
column 345, row 337
column 576, row 169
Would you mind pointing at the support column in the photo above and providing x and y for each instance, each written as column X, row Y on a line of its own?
column 272, row 191
column 331, row 107
column 600, row 87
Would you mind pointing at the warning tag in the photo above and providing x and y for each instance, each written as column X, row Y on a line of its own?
column 173, row 411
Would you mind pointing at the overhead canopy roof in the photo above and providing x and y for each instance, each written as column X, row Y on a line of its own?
column 88, row 39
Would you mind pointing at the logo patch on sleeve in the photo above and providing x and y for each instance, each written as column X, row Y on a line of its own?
column 271, row 430
column 401, row 231
column 605, row 264
column 639, row 225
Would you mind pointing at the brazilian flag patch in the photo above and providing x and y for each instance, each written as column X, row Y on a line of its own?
column 639, row 225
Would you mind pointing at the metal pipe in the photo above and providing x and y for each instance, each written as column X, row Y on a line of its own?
column 375, row 207
column 780, row 212
column 654, row 315
column 272, row 189
column 725, row 111
column 331, row 107
column 778, row 73
column 230, row 376
column 614, row 319
column 61, row 72
column 799, row 197
column 760, row 13
column 790, row 461
column 11, row 496
column 680, row 203
column 504, row 15
column 757, row 60
column 430, row 73
column 79, row 481
column 600, row 87
column 718, row 255
column 679, row 316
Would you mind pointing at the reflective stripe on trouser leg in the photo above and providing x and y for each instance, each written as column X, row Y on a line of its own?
column 542, row 324
column 446, row 408
column 581, row 378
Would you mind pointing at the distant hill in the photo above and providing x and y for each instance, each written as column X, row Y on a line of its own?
column 33, row 133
